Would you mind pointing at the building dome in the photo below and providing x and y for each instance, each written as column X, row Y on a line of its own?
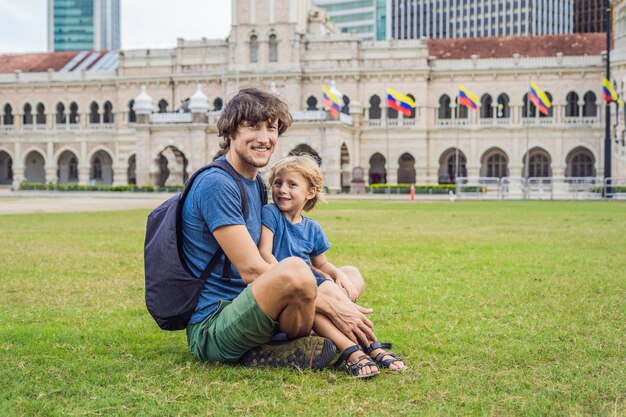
column 199, row 102
column 143, row 102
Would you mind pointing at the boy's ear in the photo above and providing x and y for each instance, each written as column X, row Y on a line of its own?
column 311, row 193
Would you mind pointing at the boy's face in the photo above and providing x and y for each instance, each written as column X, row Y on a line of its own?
column 291, row 191
column 254, row 143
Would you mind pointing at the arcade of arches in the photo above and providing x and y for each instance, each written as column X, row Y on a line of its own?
column 170, row 166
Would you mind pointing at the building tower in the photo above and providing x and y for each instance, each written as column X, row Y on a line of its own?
column 589, row 16
column 78, row 25
column 440, row 19
column 366, row 18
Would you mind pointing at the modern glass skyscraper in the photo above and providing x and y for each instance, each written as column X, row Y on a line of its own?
column 589, row 16
column 434, row 19
column 366, row 18
column 78, row 25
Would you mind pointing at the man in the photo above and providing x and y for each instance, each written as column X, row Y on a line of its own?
column 236, row 315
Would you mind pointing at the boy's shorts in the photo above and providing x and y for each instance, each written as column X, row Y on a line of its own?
column 233, row 329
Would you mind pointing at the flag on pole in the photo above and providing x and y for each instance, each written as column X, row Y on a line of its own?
column 467, row 99
column 609, row 92
column 400, row 102
column 539, row 98
column 331, row 100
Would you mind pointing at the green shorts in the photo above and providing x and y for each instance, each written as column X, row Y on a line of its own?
column 233, row 329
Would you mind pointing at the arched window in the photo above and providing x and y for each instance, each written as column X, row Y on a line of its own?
column 461, row 111
column 589, row 108
column 8, row 115
column 374, row 111
column 539, row 165
column 346, row 105
column 445, row 111
column 486, row 111
column 503, row 111
column 74, row 117
column 41, row 114
column 96, row 169
column 60, row 117
column 132, row 116
column 412, row 115
column 580, row 163
column 494, row 164
column 311, row 103
column 254, row 49
column 571, row 109
column 163, row 106
column 273, row 48
column 406, row 169
column 525, row 109
column 452, row 164
column 27, row 118
column 73, row 169
column 217, row 104
column 304, row 149
column 107, row 117
column 94, row 114
column 378, row 172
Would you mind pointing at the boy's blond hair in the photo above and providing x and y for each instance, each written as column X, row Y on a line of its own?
column 305, row 165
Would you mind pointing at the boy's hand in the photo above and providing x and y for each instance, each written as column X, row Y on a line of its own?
column 346, row 285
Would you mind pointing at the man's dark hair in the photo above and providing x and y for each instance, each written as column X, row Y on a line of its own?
column 251, row 105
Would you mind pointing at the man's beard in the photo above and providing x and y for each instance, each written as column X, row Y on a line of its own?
column 249, row 160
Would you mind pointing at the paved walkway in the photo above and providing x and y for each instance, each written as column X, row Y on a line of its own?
column 18, row 202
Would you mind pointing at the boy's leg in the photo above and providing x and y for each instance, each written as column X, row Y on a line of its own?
column 325, row 328
column 354, row 275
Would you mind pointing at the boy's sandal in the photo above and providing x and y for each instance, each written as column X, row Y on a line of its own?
column 353, row 367
column 384, row 363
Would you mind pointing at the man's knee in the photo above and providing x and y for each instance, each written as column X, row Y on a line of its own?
column 297, row 278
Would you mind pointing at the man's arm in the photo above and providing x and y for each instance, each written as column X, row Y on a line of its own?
column 237, row 244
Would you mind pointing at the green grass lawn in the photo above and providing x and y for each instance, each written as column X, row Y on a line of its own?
column 500, row 308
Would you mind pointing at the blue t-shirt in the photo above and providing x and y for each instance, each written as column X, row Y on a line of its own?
column 214, row 201
column 302, row 239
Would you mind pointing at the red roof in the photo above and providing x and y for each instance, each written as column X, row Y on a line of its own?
column 579, row 44
column 80, row 60
column 35, row 62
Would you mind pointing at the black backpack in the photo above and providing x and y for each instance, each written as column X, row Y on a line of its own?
column 172, row 292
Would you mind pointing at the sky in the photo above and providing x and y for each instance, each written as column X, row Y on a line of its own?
column 145, row 23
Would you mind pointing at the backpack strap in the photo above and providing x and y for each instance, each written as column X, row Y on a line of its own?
column 226, row 166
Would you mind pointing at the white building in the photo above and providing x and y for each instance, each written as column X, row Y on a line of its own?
column 64, row 119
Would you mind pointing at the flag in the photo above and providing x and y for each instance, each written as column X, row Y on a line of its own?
column 539, row 98
column 609, row 93
column 331, row 100
column 467, row 99
column 400, row 102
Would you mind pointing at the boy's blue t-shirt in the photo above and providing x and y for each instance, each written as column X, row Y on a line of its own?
column 302, row 239
column 214, row 201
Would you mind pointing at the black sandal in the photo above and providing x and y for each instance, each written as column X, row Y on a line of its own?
column 379, row 358
column 354, row 366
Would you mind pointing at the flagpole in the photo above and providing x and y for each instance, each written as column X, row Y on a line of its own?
column 527, row 166
column 607, row 135
column 387, row 140
column 456, row 152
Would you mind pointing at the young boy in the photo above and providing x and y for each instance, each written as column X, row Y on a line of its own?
column 296, row 185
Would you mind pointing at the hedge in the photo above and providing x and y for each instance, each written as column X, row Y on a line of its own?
column 80, row 187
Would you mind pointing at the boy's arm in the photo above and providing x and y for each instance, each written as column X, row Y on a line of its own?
column 341, row 279
column 266, row 245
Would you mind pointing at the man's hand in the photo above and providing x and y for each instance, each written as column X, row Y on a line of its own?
column 348, row 317
column 342, row 280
